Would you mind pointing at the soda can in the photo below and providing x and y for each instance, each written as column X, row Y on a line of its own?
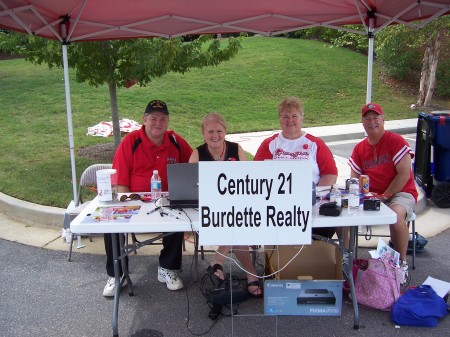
column 364, row 183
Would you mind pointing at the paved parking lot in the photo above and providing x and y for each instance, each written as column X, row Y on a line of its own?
column 44, row 295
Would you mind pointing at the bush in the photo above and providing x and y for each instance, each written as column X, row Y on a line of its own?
column 335, row 37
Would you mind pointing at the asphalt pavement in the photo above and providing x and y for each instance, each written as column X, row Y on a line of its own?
column 44, row 295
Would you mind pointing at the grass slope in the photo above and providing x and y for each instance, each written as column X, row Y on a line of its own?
column 35, row 163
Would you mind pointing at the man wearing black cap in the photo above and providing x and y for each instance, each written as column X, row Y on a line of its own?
column 152, row 147
column 386, row 158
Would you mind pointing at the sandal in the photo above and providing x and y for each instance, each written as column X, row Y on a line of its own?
column 212, row 270
column 258, row 292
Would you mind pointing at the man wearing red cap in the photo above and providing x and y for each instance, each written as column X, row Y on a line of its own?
column 152, row 147
column 386, row 158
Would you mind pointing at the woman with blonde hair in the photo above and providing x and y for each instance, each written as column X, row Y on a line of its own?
column 216, row 148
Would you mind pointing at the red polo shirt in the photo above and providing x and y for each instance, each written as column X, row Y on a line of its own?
column 134, row 169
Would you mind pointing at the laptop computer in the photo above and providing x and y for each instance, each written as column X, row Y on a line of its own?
column 183, row 185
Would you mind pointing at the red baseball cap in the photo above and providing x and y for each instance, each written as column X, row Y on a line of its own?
column 371, row 107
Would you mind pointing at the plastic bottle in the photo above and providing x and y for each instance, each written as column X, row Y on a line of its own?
column 68, row 235
column 155, row 185
column 353, row 196
column 335, row 195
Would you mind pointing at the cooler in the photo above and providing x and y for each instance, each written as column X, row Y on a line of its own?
column 440, row 139
column 432, row 158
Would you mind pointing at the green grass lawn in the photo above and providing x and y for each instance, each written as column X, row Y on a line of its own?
column 35, row 163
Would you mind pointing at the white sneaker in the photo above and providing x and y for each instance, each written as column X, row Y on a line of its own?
column 345, row 258
column 405, row 272
column 108, row 291
column 169, row 277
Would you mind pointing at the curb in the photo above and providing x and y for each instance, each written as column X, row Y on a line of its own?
column 31, row 214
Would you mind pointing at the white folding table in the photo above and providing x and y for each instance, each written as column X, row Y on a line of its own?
column 135, row 216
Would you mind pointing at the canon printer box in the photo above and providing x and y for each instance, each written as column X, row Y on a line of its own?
column 310, row 285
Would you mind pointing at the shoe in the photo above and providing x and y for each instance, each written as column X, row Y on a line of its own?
column 169, row 277
column 256, row 293
column 212, row 270
column 405, row 272
column 344, row 258
column 108, row 291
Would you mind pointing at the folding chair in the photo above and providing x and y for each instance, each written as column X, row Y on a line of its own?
column 88, row 179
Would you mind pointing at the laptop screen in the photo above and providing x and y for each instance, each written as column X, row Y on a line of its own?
column 183, row 185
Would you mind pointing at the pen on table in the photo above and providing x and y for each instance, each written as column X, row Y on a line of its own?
column 153, row 210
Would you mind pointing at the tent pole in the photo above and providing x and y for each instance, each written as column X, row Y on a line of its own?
column 371, row 36
column 69, row 122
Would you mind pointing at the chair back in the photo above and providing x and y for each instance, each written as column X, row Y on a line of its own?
column 89, row 178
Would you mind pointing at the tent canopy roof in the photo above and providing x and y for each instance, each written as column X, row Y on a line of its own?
column 90, row 20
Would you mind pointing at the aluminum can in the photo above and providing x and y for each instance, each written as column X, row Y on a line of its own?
column 364, row 183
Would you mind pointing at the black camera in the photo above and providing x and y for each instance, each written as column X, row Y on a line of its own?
column 372, row 204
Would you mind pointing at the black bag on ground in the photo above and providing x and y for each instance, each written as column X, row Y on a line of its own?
column 228, row 293
column 420, row 243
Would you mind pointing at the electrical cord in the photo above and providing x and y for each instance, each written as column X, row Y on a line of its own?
column 186, row 288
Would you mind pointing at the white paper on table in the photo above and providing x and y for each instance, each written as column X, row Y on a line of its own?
column 440, row 287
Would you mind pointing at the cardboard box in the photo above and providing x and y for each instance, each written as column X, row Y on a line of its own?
column 310, row 285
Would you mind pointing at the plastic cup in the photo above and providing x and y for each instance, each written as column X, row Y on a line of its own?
column 107, row 185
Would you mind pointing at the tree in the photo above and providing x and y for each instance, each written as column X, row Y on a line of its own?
column 403, row 50
column 405, row 53
column 119, row 62
column 429, row 69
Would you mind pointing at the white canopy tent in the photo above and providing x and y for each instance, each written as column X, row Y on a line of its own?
column 89, row 20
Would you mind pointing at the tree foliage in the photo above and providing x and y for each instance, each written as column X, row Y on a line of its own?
column 117, row 63
column 339, row 38
column 402, row 50
column 405, row 53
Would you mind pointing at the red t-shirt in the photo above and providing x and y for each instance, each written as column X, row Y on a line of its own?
column 303, row 148
column 135, row 169
column 379, row 161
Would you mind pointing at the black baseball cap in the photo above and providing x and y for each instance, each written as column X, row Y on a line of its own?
column 156, row 106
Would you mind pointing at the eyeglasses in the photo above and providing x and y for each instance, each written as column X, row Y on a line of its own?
column 132, row 196
column 135, row 196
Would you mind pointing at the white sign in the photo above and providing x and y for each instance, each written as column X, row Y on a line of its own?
column 255, row 202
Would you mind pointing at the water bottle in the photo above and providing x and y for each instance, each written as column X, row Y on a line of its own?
column 68, row 235
column 353, row 196
column 335, row 196
column 155, row 185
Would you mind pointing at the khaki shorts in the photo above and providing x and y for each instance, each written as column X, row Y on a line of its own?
column 405, row 200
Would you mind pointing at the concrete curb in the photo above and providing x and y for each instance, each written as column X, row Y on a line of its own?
column 32, row 214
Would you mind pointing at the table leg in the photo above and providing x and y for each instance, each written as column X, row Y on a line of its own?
column 122, row 257
column 195, row 256
column 115, row 321
column 349, row 271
